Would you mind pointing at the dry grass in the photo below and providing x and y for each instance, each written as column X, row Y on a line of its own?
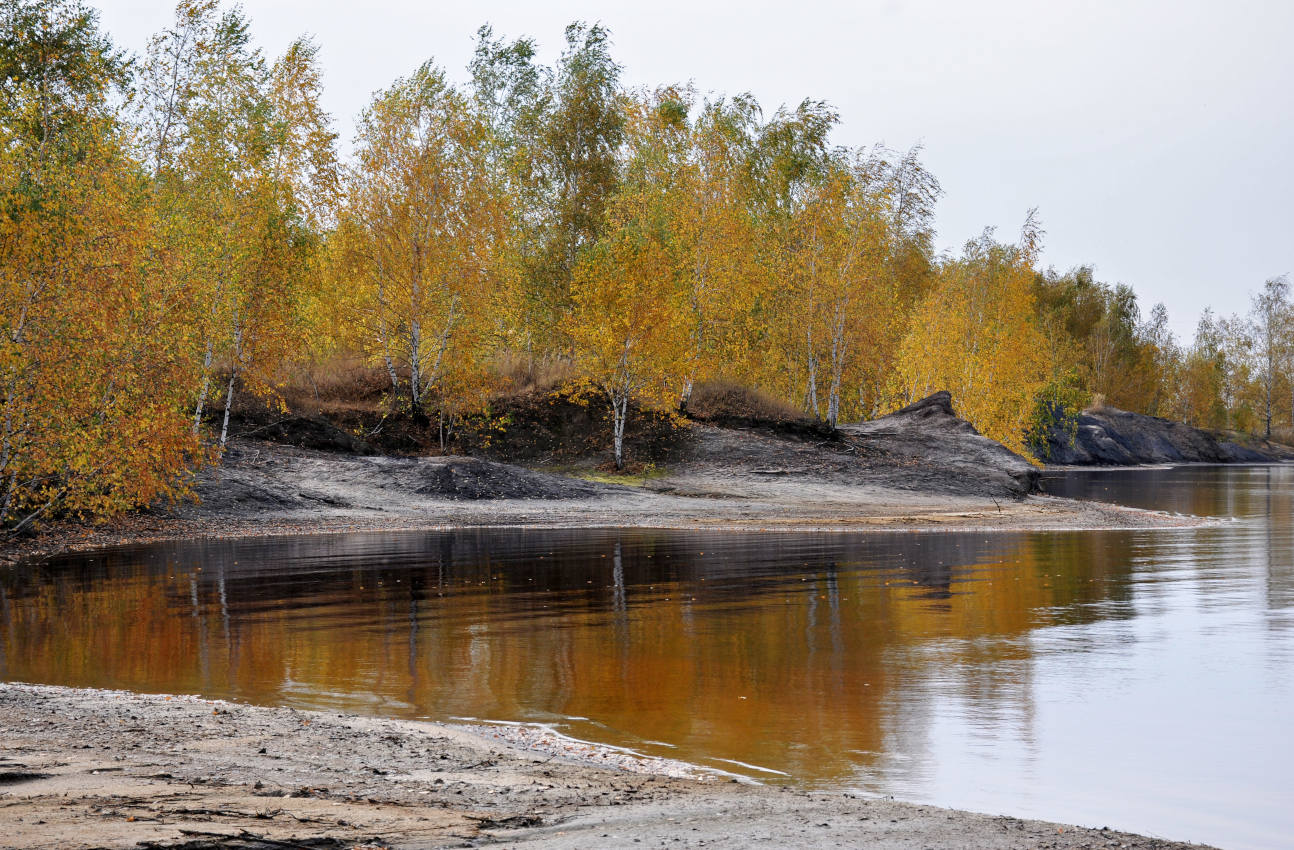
column 1285, row 436
column 1097, row 404
column 519, row 374
column 341, row 383
column 729, row 400
column 633, row 475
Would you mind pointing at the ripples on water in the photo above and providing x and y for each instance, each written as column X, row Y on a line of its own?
column 1137, row 679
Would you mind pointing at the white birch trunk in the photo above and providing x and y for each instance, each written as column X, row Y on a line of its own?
column 229, row 401
column 206, row 386
column 619, row 393
column 811, row 391
column 1268, row 424
column 415, row 362
column 619, row 412
column 233, row 377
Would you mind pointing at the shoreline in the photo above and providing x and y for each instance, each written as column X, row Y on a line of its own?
column 949, row 514
column 82, row 768
column 920, row 469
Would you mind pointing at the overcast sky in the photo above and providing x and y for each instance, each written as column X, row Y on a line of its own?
column 1156, row 138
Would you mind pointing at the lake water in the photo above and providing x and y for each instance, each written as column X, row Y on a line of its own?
column 1142, row 680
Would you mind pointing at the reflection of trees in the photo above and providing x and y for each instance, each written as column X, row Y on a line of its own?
column 1279, row 545
column 810, row 654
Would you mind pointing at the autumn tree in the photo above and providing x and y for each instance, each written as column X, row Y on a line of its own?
column 976, row 335
column 907, row 192
column 245, row 168
column 1270, row 325
column 1113, row 353
column 1200, row 394
column 574, row 161
column 714, row 229
column 1161, row 358
column 510, row 93
column 422, row 239
column 166, row 82
column 628, row 322
column 792, row 157
column 839, row 272
column 92, row 422
column 1241, row 389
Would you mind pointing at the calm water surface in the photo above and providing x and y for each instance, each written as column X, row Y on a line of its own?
column 1142, row 680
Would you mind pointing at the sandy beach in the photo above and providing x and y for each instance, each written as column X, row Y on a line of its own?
column 111, row 769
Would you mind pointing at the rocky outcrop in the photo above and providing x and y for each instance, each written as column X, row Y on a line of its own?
column 1111, row 437
column 929, row 436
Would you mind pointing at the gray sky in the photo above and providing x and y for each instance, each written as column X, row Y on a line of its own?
column 1156, row 138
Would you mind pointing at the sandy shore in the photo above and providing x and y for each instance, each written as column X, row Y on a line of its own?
column 109, row 769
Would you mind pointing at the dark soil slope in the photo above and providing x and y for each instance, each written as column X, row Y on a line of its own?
column 260, row 477
column 941, row 451
column 923, row 448
column 1112, row 437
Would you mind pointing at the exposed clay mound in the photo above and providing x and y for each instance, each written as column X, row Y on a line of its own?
column 473, row 478
column 1112, row 437
column 923, row 448
column 945, row 451
column 255, row 478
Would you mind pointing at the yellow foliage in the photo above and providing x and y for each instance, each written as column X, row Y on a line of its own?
column 94, row 395
column 629, row 323
column 420, row 255
column 976, row 335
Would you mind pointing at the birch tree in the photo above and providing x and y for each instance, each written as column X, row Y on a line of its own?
column 791, row 158
column 424, row 232
column 91, row 420
column 975, row 335
column 1270, row 326
column 907, row 192
column 244, row 165
column 628, row 323
column 714, row 231
column 574, row 159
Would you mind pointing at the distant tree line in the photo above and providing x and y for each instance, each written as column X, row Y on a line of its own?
column 179, row 228
column 1236, row 374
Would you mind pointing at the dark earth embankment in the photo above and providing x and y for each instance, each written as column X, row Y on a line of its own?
column 768, row 468
column 1108, row 436
column 939, row 449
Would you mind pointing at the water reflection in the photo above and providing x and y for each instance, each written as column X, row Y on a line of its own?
column 1125, row 678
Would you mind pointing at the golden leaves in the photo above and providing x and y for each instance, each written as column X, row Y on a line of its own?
column 976, row 335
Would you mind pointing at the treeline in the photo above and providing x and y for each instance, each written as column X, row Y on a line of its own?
column 179, row 228
column 1236, row 374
